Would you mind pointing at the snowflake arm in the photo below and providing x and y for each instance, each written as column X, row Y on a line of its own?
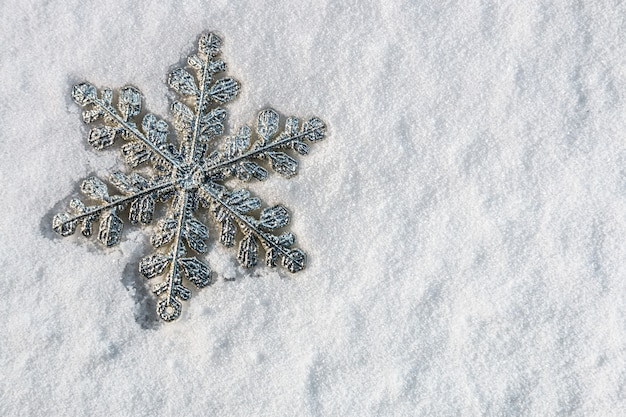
column 179, row 228
column 236, row 159
column 140, row 148
column 197, row 127
column 139, row 193
column 230, row 208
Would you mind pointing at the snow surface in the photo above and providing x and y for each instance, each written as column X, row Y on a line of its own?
column 464, row 219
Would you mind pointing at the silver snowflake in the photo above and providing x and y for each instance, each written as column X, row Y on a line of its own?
column 190, row 175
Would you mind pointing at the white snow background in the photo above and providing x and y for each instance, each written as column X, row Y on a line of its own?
column 464, row 219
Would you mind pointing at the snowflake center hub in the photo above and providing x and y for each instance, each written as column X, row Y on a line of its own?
column 188, row 177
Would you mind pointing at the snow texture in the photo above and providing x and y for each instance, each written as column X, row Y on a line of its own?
column 464, row 222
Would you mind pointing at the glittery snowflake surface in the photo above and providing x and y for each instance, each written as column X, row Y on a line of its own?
column 189, row 175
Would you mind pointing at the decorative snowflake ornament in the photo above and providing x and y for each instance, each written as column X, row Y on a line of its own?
column 189, row 176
